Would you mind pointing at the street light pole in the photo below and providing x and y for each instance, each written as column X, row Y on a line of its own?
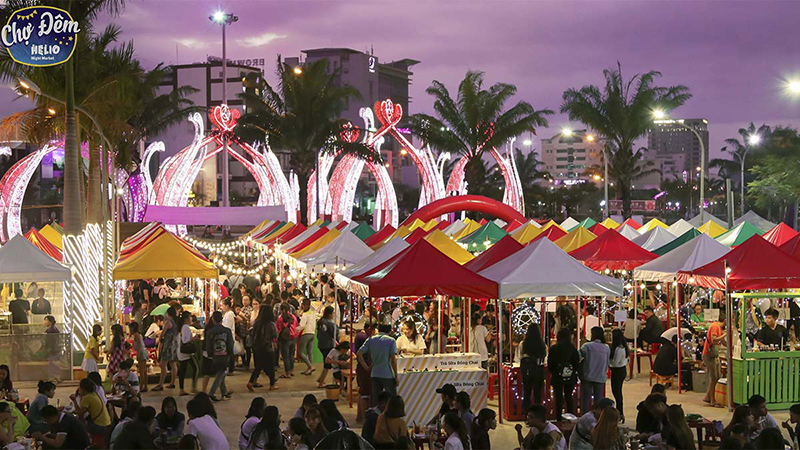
column 753, row 139
column 224, row 19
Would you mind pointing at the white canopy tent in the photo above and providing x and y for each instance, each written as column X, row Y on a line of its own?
column 20, row 261
column 657, row 237
column 696, row 222
column 755, row 220
column 679, row 227
column 543, row 270
column 698, row 252
column 300, row 237
column 500, row 222
column 344, row 279
column 569, row 223
column 628, row 232
column 345, row 250
column 454, row 227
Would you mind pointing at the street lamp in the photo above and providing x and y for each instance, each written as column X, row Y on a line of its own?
column 751, row 141
column 661, row 116
column 793, row 86
column 224, row 19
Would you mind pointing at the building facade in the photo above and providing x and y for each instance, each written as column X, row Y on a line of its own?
column 567, row 158
column 676, row 150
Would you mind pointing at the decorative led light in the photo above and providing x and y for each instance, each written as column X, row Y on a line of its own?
column 522, row 317
column 419, row 322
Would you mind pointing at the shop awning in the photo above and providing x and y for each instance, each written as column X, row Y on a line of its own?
column 21, row 261
column 447, row 246
column 163, row 255
column 575, row 239
column 677, row 242
column 699, row 251
column 779, row 234
column 754, row 264
column 655, row 238
column 497, row 252
column 422, row 270
column 680, row 227
column 738, row 234
column 43, row 244
column 712, row 229
column 754, row 220
column 612, row 251
column 543, row 270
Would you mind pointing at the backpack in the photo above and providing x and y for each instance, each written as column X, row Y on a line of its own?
column 286, row 333
column 219, row 343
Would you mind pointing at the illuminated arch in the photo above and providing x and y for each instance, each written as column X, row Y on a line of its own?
column 12, row 190
column 477, row 203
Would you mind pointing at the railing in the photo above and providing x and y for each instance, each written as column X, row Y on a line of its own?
column 33, row 357
column 775, row 375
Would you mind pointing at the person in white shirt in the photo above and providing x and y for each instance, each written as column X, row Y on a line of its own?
column 537, row 419
column 632, row 326
column 185, row 360
column 589, row 322
column 229, row 322
column 251, row 420
column 410, row 342
column 330, row 300
column 619, row 367
column 126, row 380
column 205, row 428
column 479, row 336
column 307, row 328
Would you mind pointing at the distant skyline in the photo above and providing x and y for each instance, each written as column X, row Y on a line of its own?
column 733, row 55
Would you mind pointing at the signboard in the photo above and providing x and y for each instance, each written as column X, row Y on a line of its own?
column 636, row 205
column 40, row 36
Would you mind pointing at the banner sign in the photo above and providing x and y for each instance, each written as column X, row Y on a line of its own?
column 40, row 36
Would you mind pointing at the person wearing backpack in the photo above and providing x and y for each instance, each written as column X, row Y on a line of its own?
column 219, row 347
column 562, row 362
column 287, row 339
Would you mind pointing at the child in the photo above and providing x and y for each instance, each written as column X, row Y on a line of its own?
column 92, row 354
column 794, row 418
column 339, row 357
column 141, row 354
column 126, row 381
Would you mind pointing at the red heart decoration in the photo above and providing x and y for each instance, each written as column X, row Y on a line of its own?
column 348, row 133
column 388, row 112
column 224, row 118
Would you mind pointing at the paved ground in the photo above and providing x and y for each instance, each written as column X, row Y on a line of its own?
column 289, row 396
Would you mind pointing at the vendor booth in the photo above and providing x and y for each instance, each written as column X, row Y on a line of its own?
column 30, row 353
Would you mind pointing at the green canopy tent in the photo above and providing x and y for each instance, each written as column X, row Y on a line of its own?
column 738, row 234
column 363, row 231
column 677, row 242
column 585, row 223
column 477, row 239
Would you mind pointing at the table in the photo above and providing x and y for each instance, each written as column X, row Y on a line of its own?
column 708, row 426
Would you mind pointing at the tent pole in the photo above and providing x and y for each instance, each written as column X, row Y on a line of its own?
column 728, row 316
column 669, row 309
column 635, row 328
column 500, row 359
column 352, row 342
column 440, row 330
column 680, row 337
column 466, row 323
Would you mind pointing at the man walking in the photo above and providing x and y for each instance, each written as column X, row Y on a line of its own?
column 382, row 349
column 595, row 359
column 219, row 346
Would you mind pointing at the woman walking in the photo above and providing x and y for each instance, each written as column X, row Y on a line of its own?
column 287, row 339
column 186, row 353
column 326, row 340
column 479, row 336
column 619, row 367
column 264, row 336
column 168, row 350
column 308, row 325
column 563, row 362
column 534, row 353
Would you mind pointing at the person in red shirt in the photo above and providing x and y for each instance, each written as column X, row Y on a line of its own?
column 714, row 337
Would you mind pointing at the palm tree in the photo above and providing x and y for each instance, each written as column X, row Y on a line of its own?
column 621, row 113
column 476, row 120
column 301, row 116
column 84, row 12
column 738, row 150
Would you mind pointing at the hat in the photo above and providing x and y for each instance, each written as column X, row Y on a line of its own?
column 604, row 403
column 448, row 390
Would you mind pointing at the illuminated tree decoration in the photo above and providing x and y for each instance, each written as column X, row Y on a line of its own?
column 522, row 317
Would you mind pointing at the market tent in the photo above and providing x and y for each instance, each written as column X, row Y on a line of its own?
column 677, row 242
column 345, row 250
column 612, row 251
column 513, row 226
column 415, row 235
column 490, row 232
column 585, row 223
column 287, row 244
column 421, row 270
column 267, row 230
column 401, row 232
column 543, row 270
column 628, row 231
column 792, row 246
column 499, row 222
column 650, row 225
column 707, row 216
column 598, row 229
column 380, row 235
column 609, row 223
column 655, row 238
column 535, row 223
column 363, row 231
column 738, row 234
column 699, row 251
column 300, row 243
column 164, row 256
column 430, row 224
column 454, row 227
column 755, row 264
column 755, row 220
column 415, row 224
column 43, row 244
column 504, row 247
column 57, row 227
column 20, row 260
column 553, row 233
column 265, row 224
column 526, row 233
column 140, row 238
column 680, row 227
column 284, row 233
column 53, row 235
column 317, row 244
column 471, row 227
column 569, row 223
column 344, row 279
column 779, row 234
column 576, row 238
column 712, row 229
column 344, row 226
column 631, row 223
column 446, row 245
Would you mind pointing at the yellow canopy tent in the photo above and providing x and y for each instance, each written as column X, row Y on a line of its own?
column 712, row 229
column 323, row 240
column 576, row 238
column 471, row 226
column 277, row 233
column 652, row 224
column 263, row 225
column 415, row 224
column 447, row 246
column 431, row 223
column 609, row 223
column 165, row 256
column 526, row 233
column 52, row 235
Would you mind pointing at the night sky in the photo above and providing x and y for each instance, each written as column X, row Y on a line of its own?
column 734, row 55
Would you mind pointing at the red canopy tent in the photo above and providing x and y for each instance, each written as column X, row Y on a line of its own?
column 632, row 223
column 498, row 251
column 421, row 269
column 43, row 244
column 792, row 246
column 613, row 251
column 779, row 234
column 440, row 226
column 266, row 231
column 288, row 235
column 482, row 221
column 553, row 233
column 598, row 229
column 416, row 235
column 380, row 235
column 513, row 226
column 755, row 264
column 307, row 241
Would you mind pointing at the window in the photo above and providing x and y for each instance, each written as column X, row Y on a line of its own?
column 561, row 159
column 561, row 151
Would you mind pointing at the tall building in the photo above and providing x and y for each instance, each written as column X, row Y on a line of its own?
column 375, row 81
column 206, row 77
column 674, row 149
column 566, row 158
